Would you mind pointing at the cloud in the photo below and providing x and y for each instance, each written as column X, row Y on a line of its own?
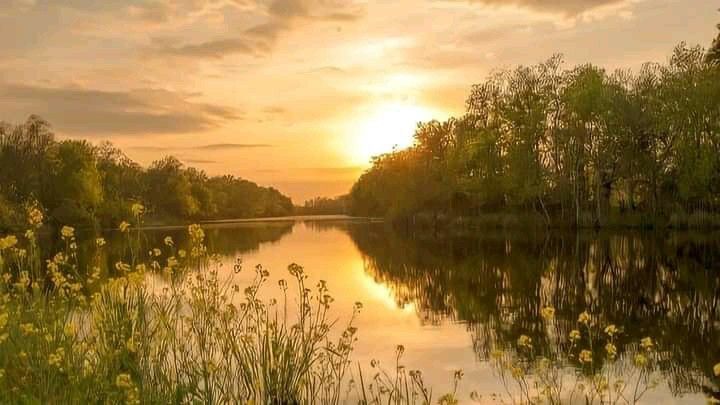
column 564, row 7
column 316, row 9
column 230, row 146
column 212, row 147
column 199, row 161
column 90, row 111
column 259, row 39
column 341, row 170
column 216, row 48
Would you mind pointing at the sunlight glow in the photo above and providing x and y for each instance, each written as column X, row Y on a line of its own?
column 386, row 127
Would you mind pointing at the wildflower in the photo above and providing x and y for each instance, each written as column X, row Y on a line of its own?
column 611, row 330
column 169, row 241
column 29, row 234
column 640, row 360
column 56, row 359
column 517, row 372
column 156, row 252
column 73, row 246
column 67, row 232
column 8, row 242
column 100, row 242
column 122, row 267
column 137, row 209
column 548, row 313
column 196, row 233
column 123, row 381
column 716, row 370
column 524, row 341
column 647, row 343
column 584, row 318
column 35, row 217
column 182, row 253
column 27, row 329
column 611, row 350
column 585, row 356
column 124, row 226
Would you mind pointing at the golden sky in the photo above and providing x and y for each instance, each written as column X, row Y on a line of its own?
column 298, row 93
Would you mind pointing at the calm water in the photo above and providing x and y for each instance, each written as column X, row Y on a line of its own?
column 452, row 300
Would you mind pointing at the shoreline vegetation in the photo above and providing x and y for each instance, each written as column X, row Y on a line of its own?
column 550, row 146
column 86, row 185
column 168, row 324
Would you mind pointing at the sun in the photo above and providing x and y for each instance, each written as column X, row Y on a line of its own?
column 386, row 127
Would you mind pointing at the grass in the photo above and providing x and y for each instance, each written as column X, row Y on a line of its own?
column 170, row 327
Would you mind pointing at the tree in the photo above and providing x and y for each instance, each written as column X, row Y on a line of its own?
column 169, row 191
column 74, row 192
column 713, row 54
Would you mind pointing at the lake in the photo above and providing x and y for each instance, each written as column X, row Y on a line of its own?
column 453, row 300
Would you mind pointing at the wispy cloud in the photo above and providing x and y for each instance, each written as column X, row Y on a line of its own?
column 565, row 7
column 216, row 48
column 92, row 111
column 210, row 147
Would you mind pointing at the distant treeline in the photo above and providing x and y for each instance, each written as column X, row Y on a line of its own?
column 575, row 147
column 78, row 183
column 324, row 206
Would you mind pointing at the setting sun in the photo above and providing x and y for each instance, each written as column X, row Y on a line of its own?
column 387, row 127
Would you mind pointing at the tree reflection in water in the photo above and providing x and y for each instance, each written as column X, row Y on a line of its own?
column 662, row 285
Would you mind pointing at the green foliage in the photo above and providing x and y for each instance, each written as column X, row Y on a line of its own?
column 82, row 184
column 573, row 145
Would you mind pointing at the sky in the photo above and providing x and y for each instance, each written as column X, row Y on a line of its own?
column 298, row 94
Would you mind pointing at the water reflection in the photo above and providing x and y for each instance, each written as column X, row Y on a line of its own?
column 666, row 286
column 452, row 300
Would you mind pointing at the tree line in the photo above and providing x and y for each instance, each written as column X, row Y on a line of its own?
column 79, row 183
column 578, row 146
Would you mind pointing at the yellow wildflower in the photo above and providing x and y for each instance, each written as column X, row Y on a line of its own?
column 122, row 267
column 611, row 330
column 156, row 252
column 640, row 360
column 123, row 381
column 548, row 313
column 27, row 329
column 196, row 233
column 585, row 356
column 169, row 241
column 67, row 232
column 584, row 318
column 29, row 234
column 611, row 350
column 647, row 343
column 8, row 242
column 124, row 226
column 137, row 209
column 35, row 217
column 55, row 359
column 182, row 253
column 716, row 370
column 524, row 341
column 100, row 242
